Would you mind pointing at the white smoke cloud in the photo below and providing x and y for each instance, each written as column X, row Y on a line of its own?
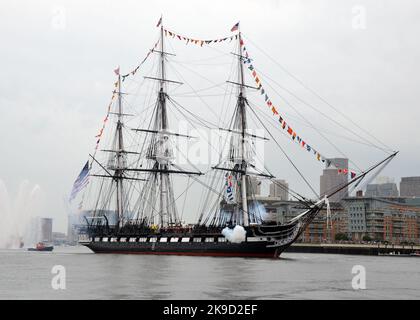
column 258, row 209
column 235, row 235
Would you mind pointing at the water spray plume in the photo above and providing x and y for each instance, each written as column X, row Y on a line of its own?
column 16, row 215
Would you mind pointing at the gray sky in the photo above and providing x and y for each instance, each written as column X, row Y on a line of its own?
column 57, row 60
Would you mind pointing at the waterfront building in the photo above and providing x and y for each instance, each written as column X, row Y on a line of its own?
column 270, row 207
column 255, row 186
column 393, row 220
column 59, row 238
column 410, row 187
column 279, row 189
column 323, row 228
column 382, row 190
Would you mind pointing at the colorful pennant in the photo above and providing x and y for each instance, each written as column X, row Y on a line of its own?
column 247, row 61
column 132, row 73
column 196, row 41
column 101, row 131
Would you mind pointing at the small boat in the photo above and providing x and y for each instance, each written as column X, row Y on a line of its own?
column 41, row 247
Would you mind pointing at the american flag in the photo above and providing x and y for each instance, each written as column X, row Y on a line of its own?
column 235, row 27
column 230, row 191
column 81, row 181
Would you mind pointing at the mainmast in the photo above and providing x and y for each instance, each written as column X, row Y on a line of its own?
column 164, row 176
column 238, row 148
column 157, row 196
column 242, row 116
column 120, row 163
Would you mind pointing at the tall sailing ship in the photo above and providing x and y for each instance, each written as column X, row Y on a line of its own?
column 136, row 180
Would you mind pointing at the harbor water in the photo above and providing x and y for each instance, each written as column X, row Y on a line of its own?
column 29, row 275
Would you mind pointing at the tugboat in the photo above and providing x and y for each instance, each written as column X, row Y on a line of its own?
column 135, row 178
column 40, row 246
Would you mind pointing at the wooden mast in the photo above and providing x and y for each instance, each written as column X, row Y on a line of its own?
column 242, row 112
column 118, row 176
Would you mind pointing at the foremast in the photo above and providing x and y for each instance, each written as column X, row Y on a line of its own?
column 117, row 161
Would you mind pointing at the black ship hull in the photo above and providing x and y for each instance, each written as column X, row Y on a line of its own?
column 259, row 241
column 261, row 249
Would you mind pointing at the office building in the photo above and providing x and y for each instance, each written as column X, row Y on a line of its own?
column 279, row 189
column 382, row 190
column 255, row 185
column 410, row 187
column 39, row 230
column 335, row 176
column 393, row 220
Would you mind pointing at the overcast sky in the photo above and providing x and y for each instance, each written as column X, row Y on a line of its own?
column 57, row 59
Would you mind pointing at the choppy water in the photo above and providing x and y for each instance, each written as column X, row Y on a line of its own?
column 27, row 275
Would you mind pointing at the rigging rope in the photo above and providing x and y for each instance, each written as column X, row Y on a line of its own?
column 322, row 99
column 286, row 155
